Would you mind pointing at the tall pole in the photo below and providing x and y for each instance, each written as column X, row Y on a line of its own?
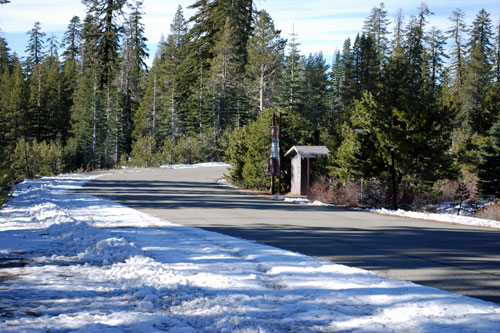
column 279, row 137
column 272, row 171
column 394, row 186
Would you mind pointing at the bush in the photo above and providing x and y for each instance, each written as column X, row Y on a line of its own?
column 350, row 193
column 321, row 190
column 490, row 212
column 32, row 158
column 142, row 152
column 166, row 154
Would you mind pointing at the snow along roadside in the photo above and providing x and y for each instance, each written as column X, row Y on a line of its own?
column 440, row 217
column 88, row 264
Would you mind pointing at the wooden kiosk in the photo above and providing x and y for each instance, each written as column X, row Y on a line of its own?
column 301, row 156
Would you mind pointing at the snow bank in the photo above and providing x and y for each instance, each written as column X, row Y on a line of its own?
column 191, row 166
column 449, row 218
column 86, row 264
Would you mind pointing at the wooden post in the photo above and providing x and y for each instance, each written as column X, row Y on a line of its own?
column 272, row 171
column 279, row 137
column 307, row 176
column 394, row 185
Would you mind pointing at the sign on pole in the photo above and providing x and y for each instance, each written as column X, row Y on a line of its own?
column 274, row 161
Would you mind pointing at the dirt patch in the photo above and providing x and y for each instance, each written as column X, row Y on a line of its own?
column 7, row 276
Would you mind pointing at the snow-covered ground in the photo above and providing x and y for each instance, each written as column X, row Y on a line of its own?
column 82, row 263
column 198, row 165
column 444, row 216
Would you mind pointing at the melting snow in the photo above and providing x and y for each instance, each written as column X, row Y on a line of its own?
column 82, row 263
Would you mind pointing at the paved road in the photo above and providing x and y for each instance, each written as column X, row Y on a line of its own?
column 460, row 259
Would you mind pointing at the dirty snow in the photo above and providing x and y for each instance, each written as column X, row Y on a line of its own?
column 441, row 217
column 85, row 264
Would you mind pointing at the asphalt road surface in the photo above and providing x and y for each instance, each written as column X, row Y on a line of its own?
column 456, row 258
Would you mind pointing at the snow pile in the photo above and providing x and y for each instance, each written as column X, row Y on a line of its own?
column 299, row 200
column 81, row 263
column 441, row 217
column 198, row 165
column 449, row 218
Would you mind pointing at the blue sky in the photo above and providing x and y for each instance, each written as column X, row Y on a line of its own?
column 321, row 25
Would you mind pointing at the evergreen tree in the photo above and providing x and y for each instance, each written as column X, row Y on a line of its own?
column 398, row 33
column 360, row 155
column 457, row 34
column 210, row 20
column 476, row 111
column 13, row 117
column 489, row 165
column 159, row 116
column 105, row 14
column 316, row 88
column 146, row 119
column 375, row 27
column 497, row 55
column 436, row 41
column 35, row 49
column 174, row 53
column 53, row 50
column 133, row 70
column 265, row 50
column 52, row 102
column 347, row 92
column 405, row 117
column 224, row 72
column 333, row 118
column 4, row 53
column 291, row 94
column 72, row 39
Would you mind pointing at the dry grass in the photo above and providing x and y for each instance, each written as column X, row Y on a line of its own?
column 490, row 212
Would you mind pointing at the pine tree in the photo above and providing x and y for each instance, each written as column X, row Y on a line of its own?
column 4, row 53
column 159, row 116
column 72, row 39
column 175, row 51
column 316, row 88
column 133, row 70
column 489, row 166
column 478, row 77
column 53, row 50
column 457, row 34
column 224, row 72
column 35, row 48
column 404, row 117
column 52, row 101
column 13, row 117
column 210, row 20
column 361, row 155
column 291, row 94
column 398, row 33
column 497, row 55
column 265, row 50
column 436, row 41
column 375, row 27
column 105, row 14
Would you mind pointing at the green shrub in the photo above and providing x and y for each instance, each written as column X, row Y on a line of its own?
column 142, row 152
column 32, row 158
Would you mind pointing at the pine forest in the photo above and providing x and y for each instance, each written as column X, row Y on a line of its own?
column 402, row 102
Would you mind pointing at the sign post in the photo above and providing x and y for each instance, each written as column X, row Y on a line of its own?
column 274, row 160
